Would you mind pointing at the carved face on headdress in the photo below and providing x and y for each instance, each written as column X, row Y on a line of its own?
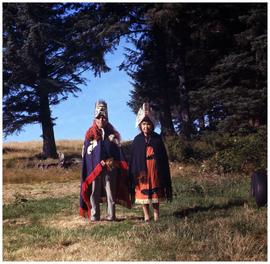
column 145, row 112
column 101, row 109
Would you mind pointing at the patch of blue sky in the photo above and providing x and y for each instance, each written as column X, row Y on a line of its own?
column 75, row 115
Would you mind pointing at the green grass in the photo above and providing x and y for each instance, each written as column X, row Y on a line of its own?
column 212, row 217
column 38, row 209
column 206, row 221
column 117, row 230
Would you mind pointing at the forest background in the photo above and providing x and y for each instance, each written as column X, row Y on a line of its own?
column 203, row 69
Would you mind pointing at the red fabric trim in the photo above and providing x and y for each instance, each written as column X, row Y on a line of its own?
column 84, row 191
column 83, row 213
column 121, row 164
column 122, row 183
column 95, row 133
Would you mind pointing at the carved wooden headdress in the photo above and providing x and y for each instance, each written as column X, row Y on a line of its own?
column 101, row 109
column 145, row 111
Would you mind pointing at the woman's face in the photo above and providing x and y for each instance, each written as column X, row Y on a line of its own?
column 101, row 121
column 146, row 127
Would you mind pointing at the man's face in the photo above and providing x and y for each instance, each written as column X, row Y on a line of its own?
column 101, row 121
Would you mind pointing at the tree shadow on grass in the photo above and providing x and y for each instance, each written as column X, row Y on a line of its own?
column 132, row 218
column 197, row 209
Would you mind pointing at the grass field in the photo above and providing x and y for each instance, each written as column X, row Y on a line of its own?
column 212, row 216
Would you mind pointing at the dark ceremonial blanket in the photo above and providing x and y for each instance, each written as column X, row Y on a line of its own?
column 137, row 163
column 93, row 152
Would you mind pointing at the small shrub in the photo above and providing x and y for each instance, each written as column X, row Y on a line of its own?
column 202, row 150
column 245, row 154
column 221, row 152
column 178, row 148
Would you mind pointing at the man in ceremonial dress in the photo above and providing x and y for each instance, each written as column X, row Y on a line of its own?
column 104, row 169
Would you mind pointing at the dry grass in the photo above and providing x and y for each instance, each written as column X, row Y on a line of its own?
column 15, row 150
column 37, row 145
column 197, row 173
column 90, row 249
column 37, row 191
column 41, row 221
column 36, row 175
column 21, row 160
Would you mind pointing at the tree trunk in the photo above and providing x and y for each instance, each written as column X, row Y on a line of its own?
column 184, row 108
column 49, row 146
column 211, row 122
column 167, row 127
column 201, row 123
column 166, row 123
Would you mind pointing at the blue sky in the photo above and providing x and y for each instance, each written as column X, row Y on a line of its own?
column 75, row 115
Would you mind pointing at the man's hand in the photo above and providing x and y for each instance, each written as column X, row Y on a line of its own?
column 109, row 163
column 113, row 139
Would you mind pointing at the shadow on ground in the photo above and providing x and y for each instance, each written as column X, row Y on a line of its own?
column 197, row 209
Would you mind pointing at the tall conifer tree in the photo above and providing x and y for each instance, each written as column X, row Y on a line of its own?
column 44, row 54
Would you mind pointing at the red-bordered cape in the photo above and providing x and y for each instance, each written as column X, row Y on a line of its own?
column 91, row 168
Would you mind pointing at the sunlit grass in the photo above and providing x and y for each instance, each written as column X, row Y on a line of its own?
column 219, row 230
column 21, row 160
column 210, row 219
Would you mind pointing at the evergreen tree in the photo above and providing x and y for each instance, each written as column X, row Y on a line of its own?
column 190, row 61
column 238, row 81
column 212, row 27
column 151, row 81
column 44, row 54
column 184, row 57
column 153, row 66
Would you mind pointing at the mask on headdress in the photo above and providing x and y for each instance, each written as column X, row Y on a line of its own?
column 145, row 111
column 101, row 109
